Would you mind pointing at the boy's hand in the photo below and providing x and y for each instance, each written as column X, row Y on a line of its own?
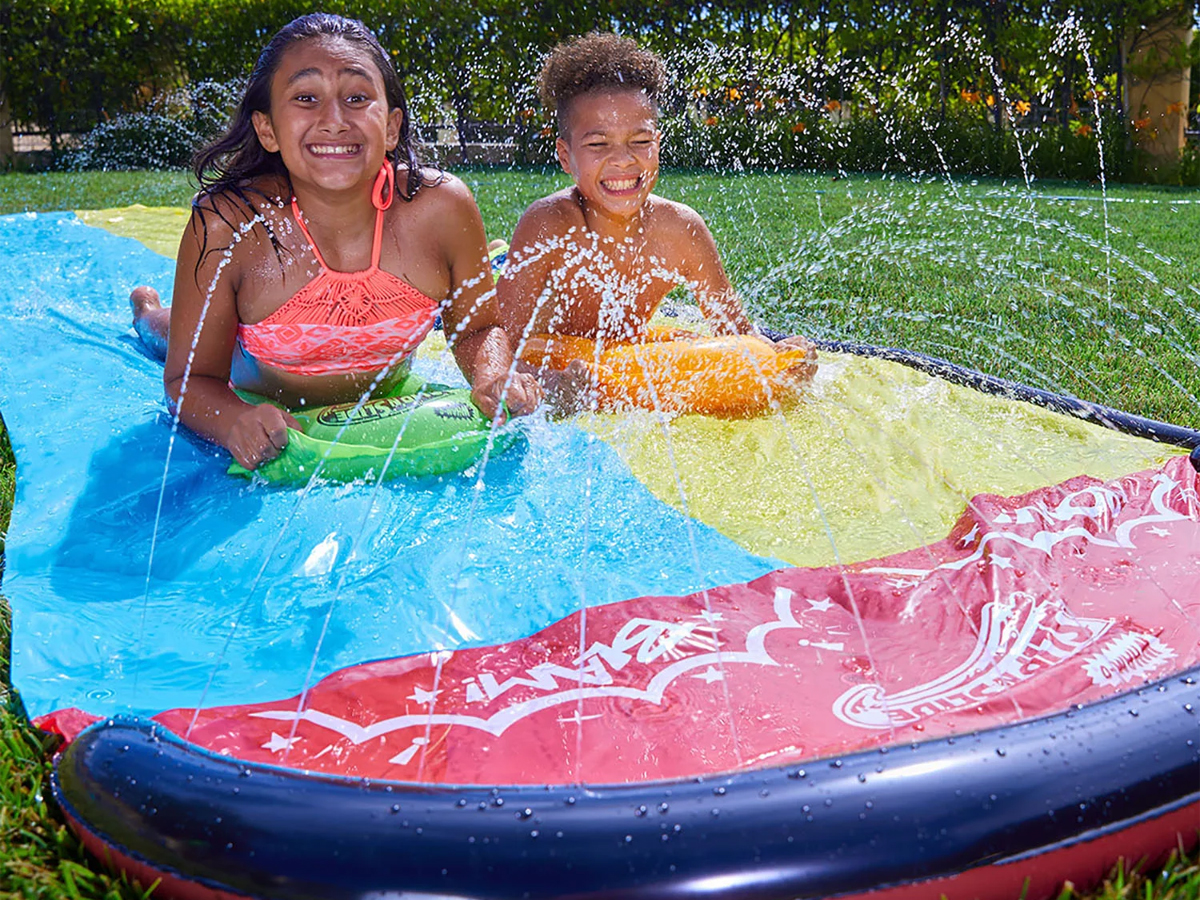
column 523, row 396
column 259, row 434
column 798, row 342
column 808, row 367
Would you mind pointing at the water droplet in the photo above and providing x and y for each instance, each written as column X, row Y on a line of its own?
column 719, row 791
column 395, row 808
column 1000, row 751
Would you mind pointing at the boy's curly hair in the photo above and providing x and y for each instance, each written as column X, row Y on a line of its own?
column 599, row 60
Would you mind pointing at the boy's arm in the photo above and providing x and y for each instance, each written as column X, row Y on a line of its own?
column 706, row 277
column 717, row 298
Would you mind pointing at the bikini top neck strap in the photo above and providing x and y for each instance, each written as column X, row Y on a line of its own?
column 382, row 195
column 376, row 241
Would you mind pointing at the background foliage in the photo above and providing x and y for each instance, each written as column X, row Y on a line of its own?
column 1001, row 87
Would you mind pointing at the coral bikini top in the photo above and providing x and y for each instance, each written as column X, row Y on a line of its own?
column 343, row 322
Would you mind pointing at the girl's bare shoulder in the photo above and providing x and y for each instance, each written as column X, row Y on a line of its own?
column 238, row 218
column 441, row 204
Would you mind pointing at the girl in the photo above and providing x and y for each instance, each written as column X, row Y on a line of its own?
column 319, row 252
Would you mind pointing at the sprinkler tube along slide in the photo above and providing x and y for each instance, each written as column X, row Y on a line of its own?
column 410, row 689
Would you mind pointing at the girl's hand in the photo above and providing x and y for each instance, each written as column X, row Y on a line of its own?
column 523, row 396
column 259, row 434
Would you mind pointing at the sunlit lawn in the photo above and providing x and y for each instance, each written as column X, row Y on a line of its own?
column 1062, row 288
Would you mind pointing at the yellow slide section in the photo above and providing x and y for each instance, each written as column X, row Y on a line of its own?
column 158, row 227
column 877, row 459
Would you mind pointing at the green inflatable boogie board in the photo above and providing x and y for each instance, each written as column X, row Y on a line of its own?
column 419, row 429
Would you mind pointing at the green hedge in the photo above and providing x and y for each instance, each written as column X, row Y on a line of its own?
column 139, row 75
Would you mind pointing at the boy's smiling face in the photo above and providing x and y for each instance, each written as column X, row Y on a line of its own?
column 610, row 147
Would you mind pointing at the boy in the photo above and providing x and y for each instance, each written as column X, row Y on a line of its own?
column 594, row 260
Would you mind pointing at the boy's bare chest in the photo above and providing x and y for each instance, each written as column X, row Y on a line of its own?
column 611, row 286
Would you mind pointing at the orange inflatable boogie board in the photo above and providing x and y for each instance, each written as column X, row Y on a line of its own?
column 733, row 376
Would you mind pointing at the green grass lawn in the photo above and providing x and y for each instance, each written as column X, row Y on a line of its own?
column 1060, row 287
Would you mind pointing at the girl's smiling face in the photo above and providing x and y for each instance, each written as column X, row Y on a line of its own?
column 329, row 116
column 611, row 149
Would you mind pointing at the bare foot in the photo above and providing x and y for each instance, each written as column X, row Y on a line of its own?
column 142, row 299
column 150, row 319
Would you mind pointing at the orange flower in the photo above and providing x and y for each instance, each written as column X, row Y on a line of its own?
column 970, row 96
column 1176, row 108
column 798, row 128
column 711, row 120
column 1023, row 107
column 527, row 113
column 733, row 93
column 1083, row 130
column 700, row 92
column 758, row 104
column 546, row 131
column 833, row 105
column 1139, row 124
column 990, row 100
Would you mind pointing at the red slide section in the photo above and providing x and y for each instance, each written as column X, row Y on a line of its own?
column 1032, row 603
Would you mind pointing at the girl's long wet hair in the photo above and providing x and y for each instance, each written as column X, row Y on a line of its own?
column 229, row 161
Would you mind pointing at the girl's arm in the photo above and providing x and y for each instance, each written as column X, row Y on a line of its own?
column 471, row 319
column 523, row 296
column 204, row 321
